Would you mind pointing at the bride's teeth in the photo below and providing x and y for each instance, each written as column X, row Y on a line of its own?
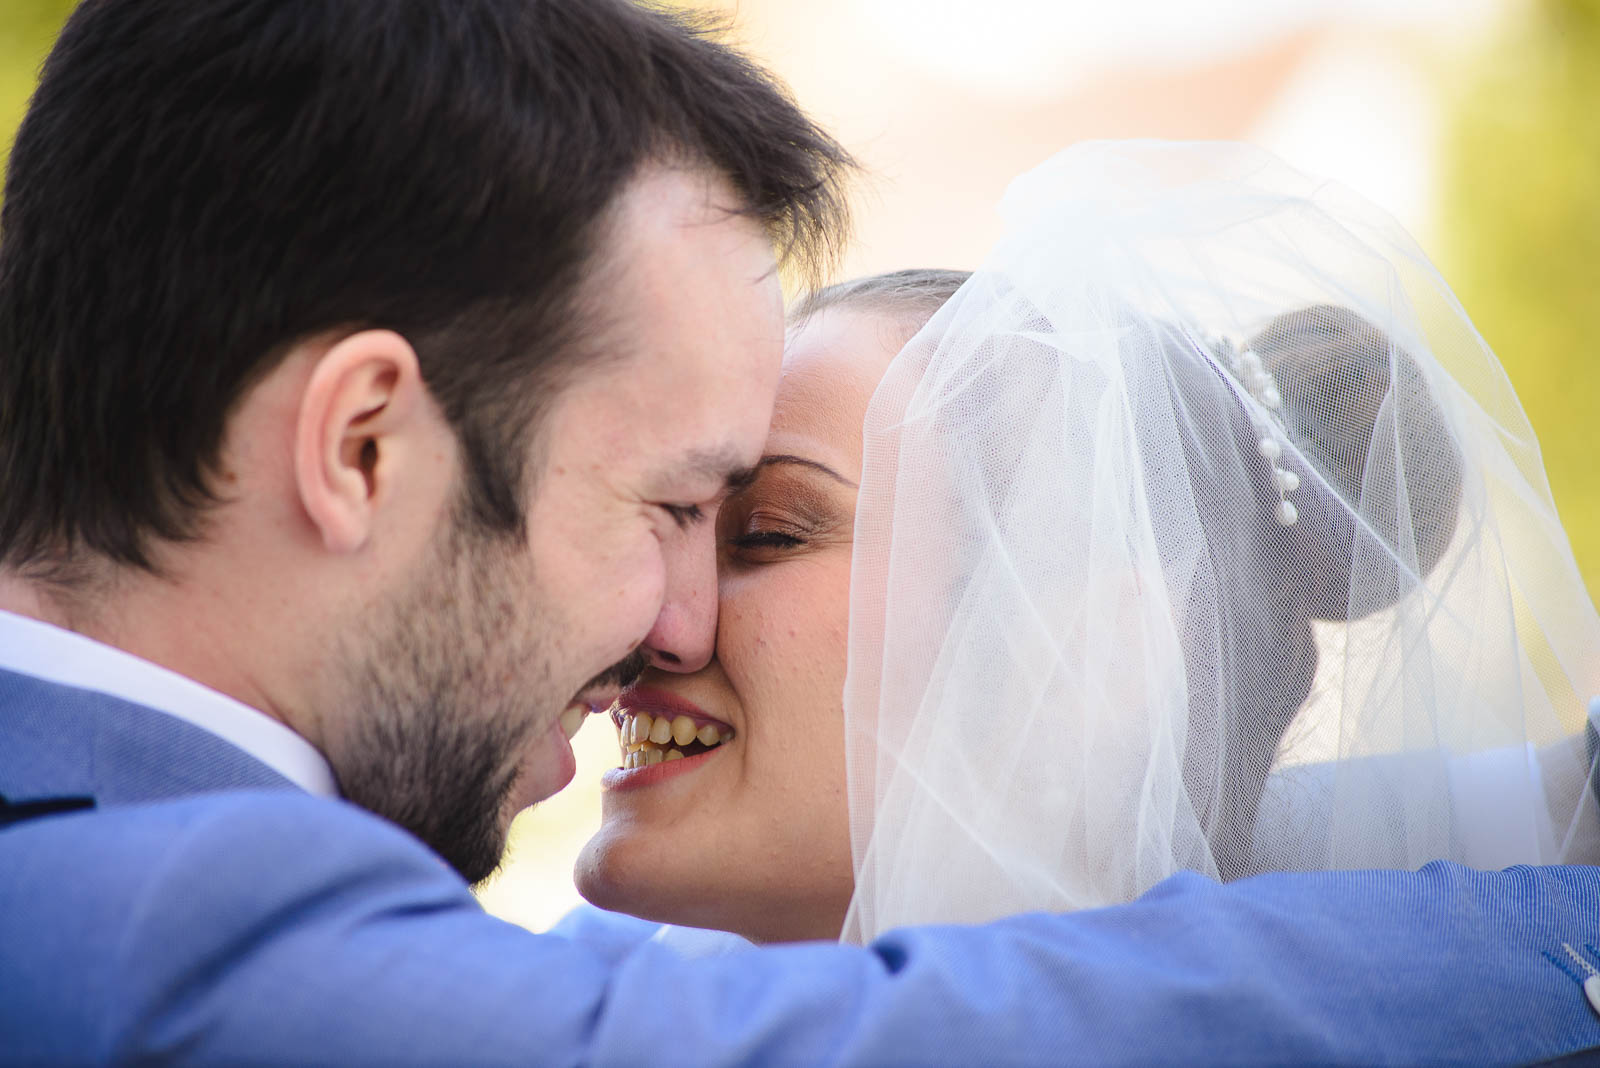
column 661, row 731
column 646, row 740
column 683, row 730
column 572, row 719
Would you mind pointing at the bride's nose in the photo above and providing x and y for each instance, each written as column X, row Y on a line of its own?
column 685, row 631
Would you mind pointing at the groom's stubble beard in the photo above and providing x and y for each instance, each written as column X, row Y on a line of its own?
column 446, row 690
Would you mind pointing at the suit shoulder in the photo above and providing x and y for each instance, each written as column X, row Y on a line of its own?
column 134, row 861
column 110, row 917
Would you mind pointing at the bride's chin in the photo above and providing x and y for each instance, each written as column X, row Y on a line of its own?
column 617, row 872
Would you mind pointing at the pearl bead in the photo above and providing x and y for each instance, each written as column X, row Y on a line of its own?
column 1286, row 514
column 1270, row 397
column 1269, row 449
column 1287, row 481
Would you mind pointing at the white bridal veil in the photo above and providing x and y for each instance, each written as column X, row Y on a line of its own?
column 1201, row 530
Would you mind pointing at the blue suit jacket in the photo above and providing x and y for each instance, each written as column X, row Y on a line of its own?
column 203, row 910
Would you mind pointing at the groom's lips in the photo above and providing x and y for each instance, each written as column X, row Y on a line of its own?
column 560, row 764
column 545, row 765
column 599, row 698
column 584, row 705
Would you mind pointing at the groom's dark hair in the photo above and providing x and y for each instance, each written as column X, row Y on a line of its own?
column 199, row 186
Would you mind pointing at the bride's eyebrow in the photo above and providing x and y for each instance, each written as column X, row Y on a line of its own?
column 801, row 461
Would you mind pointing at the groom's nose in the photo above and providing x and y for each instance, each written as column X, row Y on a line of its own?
column 685, row 632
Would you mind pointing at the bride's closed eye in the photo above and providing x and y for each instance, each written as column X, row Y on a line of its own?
column 784, row 514
column 757, row 533
column 768, row 533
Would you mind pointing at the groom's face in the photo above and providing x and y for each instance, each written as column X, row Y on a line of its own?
column 630, row 462
column 638, row 453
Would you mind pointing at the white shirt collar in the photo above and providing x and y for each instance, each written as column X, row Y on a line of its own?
column 51, row 654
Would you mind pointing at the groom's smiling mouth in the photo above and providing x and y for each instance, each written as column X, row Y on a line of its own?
column 654, row 726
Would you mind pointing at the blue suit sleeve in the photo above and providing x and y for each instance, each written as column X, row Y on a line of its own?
column 278, row 929
column 611, row 934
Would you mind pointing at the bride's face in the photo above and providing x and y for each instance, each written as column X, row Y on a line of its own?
column 750, row 832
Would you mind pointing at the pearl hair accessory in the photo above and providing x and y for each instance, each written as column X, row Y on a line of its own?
column 1259, row 382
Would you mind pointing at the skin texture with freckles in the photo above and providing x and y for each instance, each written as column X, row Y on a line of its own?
column 756, row 839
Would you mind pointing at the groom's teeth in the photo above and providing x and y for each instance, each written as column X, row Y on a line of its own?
column 674, row 754
column 708, row 735
column 682, row 730
column 639, row 728
column 661, row 731
column 572, row 719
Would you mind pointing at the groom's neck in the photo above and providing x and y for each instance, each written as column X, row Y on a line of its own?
column 173, row 624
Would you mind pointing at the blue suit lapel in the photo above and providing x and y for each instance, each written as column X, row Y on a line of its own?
column 60, row 743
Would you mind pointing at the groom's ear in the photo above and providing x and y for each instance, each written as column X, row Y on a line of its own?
column 365, row 419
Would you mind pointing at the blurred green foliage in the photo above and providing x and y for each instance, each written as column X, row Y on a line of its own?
column 1521, row 234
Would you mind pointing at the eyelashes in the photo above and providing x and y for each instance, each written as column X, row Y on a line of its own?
column 685, row 515
column 767, row 539
column 781, row 519
column 688, row 515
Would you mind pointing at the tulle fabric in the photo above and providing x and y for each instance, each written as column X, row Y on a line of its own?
column 1085, row 653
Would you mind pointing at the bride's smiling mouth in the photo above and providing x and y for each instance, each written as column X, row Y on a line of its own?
column 655, row 729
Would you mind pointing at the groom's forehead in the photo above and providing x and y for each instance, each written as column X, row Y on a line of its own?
column 680, row 243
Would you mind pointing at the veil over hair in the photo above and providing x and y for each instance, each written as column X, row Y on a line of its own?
column 1201, row 530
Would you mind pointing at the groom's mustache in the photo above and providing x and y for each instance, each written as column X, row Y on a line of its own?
column 623, row 673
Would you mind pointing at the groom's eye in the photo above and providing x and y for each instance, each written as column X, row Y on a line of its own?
column 685, row 515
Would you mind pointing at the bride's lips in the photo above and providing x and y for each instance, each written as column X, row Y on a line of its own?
column 682, row 729
column 658, row 703
column 636, row 778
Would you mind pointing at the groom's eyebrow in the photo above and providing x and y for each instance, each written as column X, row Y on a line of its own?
column 723, row 467
column 801, row 461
